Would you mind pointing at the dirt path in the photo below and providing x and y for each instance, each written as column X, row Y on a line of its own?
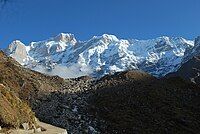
column 49, row 130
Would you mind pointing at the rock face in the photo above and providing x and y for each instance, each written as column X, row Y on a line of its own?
column 105, row 54
column 17, row 50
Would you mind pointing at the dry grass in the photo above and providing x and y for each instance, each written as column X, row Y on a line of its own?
column 27, row 84
column 13, row 112
column 22, row 87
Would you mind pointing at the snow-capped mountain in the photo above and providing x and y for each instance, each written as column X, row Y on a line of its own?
column 63, row 55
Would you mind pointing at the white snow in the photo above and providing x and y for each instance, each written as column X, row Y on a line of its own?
column 104, row 54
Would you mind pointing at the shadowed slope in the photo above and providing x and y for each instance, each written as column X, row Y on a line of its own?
column 140, row 105
column 189, row 71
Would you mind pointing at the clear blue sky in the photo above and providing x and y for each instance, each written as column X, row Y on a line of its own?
column 34, row 20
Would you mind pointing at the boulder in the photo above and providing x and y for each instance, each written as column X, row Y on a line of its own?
column 25, row 126
column 37, row 130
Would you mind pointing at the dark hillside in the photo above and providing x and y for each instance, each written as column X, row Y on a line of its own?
column 138, row 105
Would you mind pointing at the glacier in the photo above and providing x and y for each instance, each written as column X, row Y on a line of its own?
column 65, row 56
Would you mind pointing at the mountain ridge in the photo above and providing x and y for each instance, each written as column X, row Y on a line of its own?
column 104, row 54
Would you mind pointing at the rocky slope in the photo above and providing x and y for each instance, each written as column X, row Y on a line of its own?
column 13, row 111
column 27, row 84
column 124, row 102
column 132, row 102
column 53, row 99
column 102, row 55
column 18, row 88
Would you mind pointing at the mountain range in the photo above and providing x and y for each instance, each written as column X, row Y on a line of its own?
column 65, row 56
column 132, row 86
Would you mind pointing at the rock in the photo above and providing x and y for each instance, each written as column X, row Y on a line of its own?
column 36, row 120
column 17, row 50
column 85, row 131
column 0, row 128
column 31, row 131
column 37, row 130
column 75, row 109
column 64, row 106
column 91, row 129
column 74, row 96
column 25, row 126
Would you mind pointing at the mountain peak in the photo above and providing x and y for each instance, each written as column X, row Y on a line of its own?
column 108, row 37
column 65, row 37
column 17, row 41
column 17, row 50
column 15, row 46
column 165, row 37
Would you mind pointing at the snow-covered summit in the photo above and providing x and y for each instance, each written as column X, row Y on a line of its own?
column 65, row 37
column 65, row 56
column 18, row 50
